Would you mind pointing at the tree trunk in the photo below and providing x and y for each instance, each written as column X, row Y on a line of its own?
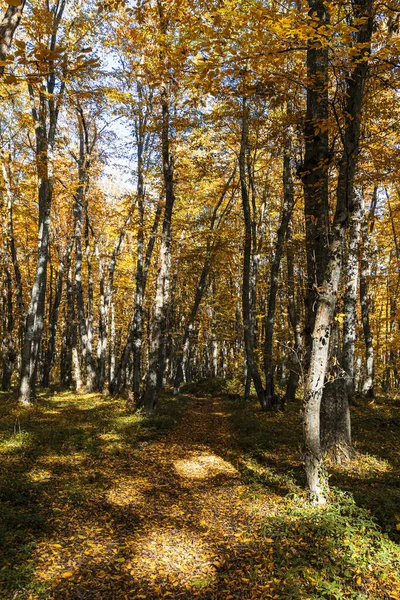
column 45, row 132
column 287, row 210
column 8, row 352
column 367, row 226
column 295, row 361
column 335, row 414
column 315, row 167
column 34, row 323
column 248, row 321
column 73, row 335
column 156, row 357
column 80, row 208
column 8, row 26
column 350, row 297
column 54, row 308
column 326, row 304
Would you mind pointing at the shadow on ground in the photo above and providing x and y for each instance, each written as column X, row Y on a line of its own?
column 201, row 501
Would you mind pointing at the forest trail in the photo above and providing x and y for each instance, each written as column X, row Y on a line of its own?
column 196, row 513
column 118, row 507
column 200, row 501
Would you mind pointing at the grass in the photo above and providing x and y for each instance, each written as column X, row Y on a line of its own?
column 81, row 476
column 349, row 549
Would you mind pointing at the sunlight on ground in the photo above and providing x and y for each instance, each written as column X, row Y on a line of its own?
column 67, row 556
column 16, row 442
column 366, row 465
column 166, row 553
column 203, row 466
column 128, row 492
column 38, row 474
column 109, row 437
column 53, row 460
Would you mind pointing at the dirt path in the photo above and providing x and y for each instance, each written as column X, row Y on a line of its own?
column 174, row 523
column 195, row 510
column 98, row 503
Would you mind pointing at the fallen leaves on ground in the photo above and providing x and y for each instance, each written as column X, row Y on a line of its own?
column 108, row 505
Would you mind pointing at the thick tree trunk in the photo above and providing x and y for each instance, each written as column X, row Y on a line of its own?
column 335, row 414
column 34, row 323
column 156, row 356
column 85, row 317
column 8, row 26
column 326, row 304
column 315, row 167
column 45, row 118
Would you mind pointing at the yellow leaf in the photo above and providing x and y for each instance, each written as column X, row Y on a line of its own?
column 398, row 526
column 67, row 574
column 101, row 574
column 269, row 540
column 358, row 581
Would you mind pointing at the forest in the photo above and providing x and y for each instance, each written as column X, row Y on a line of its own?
column 199, row 292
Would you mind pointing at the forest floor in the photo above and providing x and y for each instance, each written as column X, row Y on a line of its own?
column 203, row 501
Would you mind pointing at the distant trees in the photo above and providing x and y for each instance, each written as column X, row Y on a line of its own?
column 196, row 190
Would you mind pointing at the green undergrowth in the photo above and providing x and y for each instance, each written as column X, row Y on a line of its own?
column 347, row 549
column 333, row 552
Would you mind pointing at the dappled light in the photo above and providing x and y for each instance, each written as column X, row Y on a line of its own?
column 173, row 553
column 186, row 507
column 129, row 491
column 203, row 466
column 199, row 300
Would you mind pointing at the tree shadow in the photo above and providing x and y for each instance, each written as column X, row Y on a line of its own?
column 94, row 509
column 331, row 553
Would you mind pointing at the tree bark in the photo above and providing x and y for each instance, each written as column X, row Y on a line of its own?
column 287, row 210
column 54, row 309
column 315, row 167
column 248, row 321
column 326, row 304
column 350, row 297
column 295, row 362
column 8, row 26
column 367, row 226
column 156, row 359
column 45, row 118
